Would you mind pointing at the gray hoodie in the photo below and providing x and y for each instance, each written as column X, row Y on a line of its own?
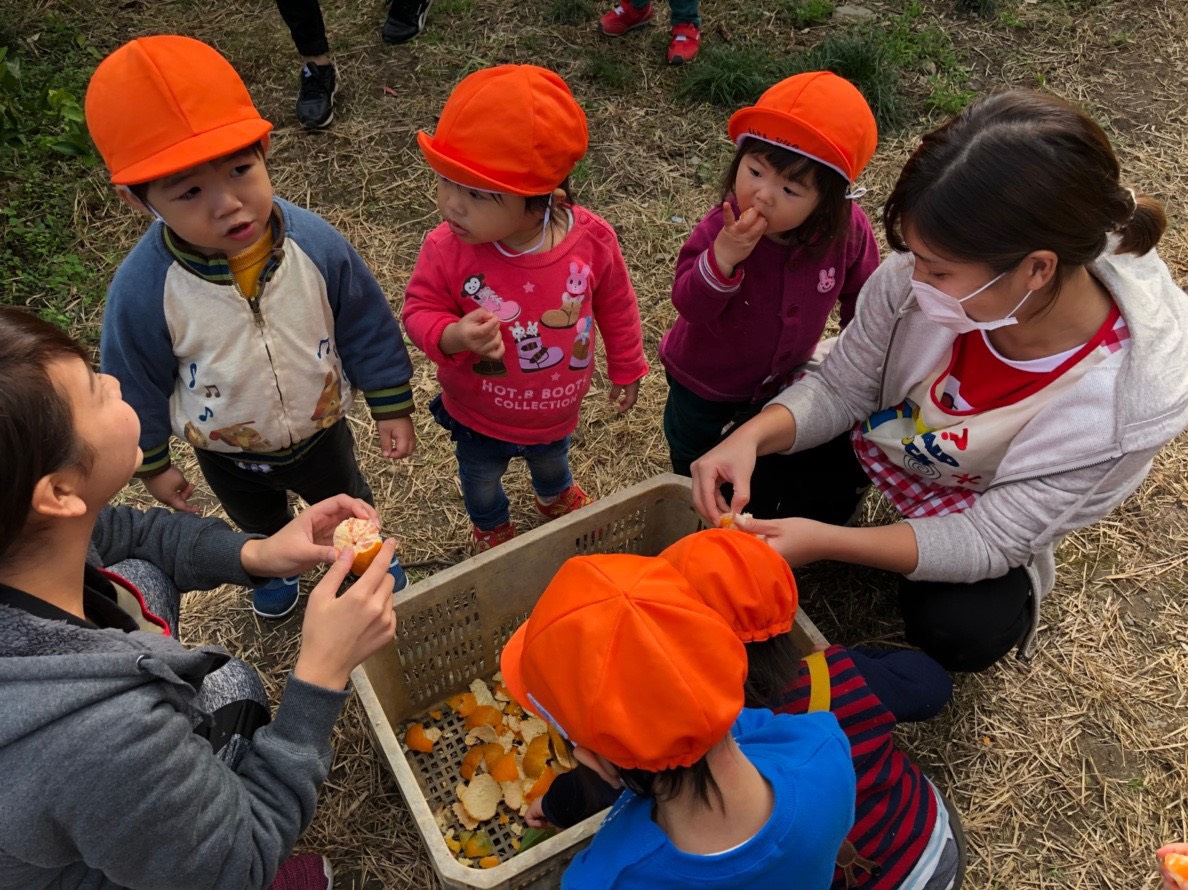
column 104, row 784
column 1070, row 466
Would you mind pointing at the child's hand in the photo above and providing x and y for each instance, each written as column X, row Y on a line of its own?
column 477, row 331
column 397, row 437
column 623, row 396
column 307, row 541
column 1172, row 880
column 535, row 816
column 341, row 632
column 172, row 490
column 737, row 238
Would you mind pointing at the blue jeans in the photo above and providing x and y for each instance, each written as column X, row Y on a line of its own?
column 482, row 461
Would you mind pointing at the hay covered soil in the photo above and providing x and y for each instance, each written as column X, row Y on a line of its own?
column 1070, row 770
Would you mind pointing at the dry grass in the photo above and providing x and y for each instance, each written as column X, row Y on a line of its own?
column 1069, row 770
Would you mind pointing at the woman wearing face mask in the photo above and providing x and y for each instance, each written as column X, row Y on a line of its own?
column 1009, row 376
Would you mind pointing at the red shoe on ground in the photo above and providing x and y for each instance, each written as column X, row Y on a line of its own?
column 306, row 871
column 624, row 17
column 686, row 41
column 485, row 540
column 573, row 498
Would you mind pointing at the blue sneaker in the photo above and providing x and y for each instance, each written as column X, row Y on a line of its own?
column 394, row 569
column 276, row 598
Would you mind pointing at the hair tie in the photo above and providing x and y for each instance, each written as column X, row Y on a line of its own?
column 855, row 194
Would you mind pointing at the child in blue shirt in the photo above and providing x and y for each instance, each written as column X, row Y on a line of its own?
column 239, row 322
column 646, row 682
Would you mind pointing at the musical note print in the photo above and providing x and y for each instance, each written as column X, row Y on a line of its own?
column 193, row 373
column 326, row 341
column 206, row 414
column 212, row 391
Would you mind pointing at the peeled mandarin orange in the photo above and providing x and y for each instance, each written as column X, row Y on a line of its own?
column 362, row 536
column 1177, row 866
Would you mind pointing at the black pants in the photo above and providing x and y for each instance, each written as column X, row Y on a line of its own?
column 825, row 483
column 304, row 18
column 258, row 502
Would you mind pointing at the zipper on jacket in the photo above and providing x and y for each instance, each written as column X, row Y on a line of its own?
column 254, row 305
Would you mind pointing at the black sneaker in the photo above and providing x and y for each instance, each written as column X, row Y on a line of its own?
column 406, row 18
column 315, row 98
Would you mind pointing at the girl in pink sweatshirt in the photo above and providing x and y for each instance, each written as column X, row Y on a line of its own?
column 507, row 290
column 759, row 276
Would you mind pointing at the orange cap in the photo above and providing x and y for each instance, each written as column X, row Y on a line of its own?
column 160, row 105
column 623, row 659
column 513, row 128
column 819, row 115
column 741, row 578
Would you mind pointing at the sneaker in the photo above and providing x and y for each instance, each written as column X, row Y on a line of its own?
column 406, row 18
column 500, row 534
column 315, row 96
column 277, row 598
column 306, row 871
column 573, row 498
column 625, row 17
column 686, row 41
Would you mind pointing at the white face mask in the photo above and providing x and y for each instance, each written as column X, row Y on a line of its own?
column 948, row 312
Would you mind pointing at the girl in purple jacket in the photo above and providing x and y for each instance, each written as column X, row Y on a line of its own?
column 759, row 276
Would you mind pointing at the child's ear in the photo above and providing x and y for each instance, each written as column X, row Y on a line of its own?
column 558, row 196
column 57, row 495
column 128, row 197
column 606, row 770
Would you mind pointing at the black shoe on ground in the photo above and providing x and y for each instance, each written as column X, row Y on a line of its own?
column 406, row 18
column 315, row 98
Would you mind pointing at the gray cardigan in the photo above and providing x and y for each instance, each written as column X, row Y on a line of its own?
column 104, row 784
column 1070, row 466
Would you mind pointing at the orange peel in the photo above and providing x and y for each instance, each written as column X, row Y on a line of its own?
column 536, row 757
column 489, row 861
column 417, row 739
column 363, row 537
column 505, row 769
column 541, row 785
column 483, row 715
column 471, row 762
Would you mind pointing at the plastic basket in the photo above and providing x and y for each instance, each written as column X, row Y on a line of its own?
column 452, row 628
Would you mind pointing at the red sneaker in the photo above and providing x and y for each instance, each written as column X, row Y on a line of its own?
column 686, row 41
column 306, row 871
column 624, row 17
column 485, row 540
column 573, row 498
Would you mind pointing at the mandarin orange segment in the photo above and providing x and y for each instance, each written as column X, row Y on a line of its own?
column 471, row 762
column 505, row 769
column 536, row 756
column 362, row 536
column 483, row 715
column 1177, row 866
column 416, row 739
column 541, row 785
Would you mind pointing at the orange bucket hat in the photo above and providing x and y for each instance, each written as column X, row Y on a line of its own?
column 741, row 578
column 623, row 659
column 514, row 128
column 818, row 115
column 160, row 105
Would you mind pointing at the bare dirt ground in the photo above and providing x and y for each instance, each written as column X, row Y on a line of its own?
column 1069, row 770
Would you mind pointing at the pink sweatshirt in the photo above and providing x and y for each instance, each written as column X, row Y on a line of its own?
column 549, row 303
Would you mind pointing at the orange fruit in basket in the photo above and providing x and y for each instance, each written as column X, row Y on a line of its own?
column 541, row 785
column 536, row 756
column 1176, row 865
column 362, row 536
column 471, row 762
column 505, row 769
column 484, row 715
column 416, row 740
column 478, row 845
column 489, row 861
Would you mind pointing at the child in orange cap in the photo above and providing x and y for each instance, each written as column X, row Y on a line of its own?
column 506, row 291
column 758, row 278
column 239, row 322
column 903, row 835
column 647, row 683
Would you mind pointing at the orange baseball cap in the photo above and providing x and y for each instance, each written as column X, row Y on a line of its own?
column 623, row 659
column 819, row 115
column 513, row 128
column 741, row 578
column 160, row 105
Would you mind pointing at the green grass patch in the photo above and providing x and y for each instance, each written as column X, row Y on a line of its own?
column 805, row 13
column 46, row 161
column 607, row 69
column 570, row 12
column 730, row 75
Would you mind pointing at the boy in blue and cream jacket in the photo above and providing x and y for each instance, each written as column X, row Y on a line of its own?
column 239, row 322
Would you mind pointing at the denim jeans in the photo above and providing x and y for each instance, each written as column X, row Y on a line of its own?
column 482, row 461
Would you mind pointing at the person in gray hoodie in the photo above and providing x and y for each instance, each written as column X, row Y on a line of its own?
column 1009, row 376
column 130, row 760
